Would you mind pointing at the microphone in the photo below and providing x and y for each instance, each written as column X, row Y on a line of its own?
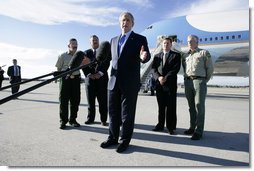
column 76, row 60
column 103, row 52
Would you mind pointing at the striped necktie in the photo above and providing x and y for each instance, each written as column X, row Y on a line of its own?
column 120, row 43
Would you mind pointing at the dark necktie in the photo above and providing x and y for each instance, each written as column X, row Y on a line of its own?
column 120, row 43
column 164, row 58
column 15, row 70
column 94, row 53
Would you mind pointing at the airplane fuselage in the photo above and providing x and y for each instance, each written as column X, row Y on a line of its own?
column 225, row 35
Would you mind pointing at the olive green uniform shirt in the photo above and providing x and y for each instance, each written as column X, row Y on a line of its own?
column 198, row 63
column 63, row 62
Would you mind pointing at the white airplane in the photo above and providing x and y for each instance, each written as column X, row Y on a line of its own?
column 224, row 34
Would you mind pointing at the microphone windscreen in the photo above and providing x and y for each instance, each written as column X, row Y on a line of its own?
column 76, row 60
column 103, row 52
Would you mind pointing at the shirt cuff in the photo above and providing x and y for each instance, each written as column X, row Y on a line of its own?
column 101, row 73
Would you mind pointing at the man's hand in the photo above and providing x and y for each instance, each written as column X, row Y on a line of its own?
column 94, row 76
column 162, row 80
column 143, row 53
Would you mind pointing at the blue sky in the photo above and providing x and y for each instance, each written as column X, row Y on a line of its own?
column 37, row 31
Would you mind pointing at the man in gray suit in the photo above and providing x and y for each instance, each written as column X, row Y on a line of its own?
column 127, row 50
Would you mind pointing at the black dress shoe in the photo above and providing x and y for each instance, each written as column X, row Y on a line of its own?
column 158, row 129
column 88, row 122
column 62, row 126
column 74, row 123
column 171, row 132
column 104, row 123
column 196, row 136
column 121, row 147
column 108, row 143
column 189, row 131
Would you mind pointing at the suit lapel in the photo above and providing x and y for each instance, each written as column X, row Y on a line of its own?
column 128, row 42
column 115, row 55
column 92, row 57
column 161, row 63
column 116, row 45
column 169, row 57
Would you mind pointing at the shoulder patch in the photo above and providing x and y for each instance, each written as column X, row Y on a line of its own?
column 208, row 55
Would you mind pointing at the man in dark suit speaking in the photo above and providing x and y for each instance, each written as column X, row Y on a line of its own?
column 14, row 72
column 127, row 50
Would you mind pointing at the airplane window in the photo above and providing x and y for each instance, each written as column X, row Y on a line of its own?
column 227, row 37
column 239, row 36
column 205, row 39
column 216, row 38
column 233, row 37
column 200, row 39
column 211, row 38
column 221, row 38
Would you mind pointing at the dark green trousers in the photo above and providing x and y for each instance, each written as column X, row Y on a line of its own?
column 69, row 93
column 195, row 92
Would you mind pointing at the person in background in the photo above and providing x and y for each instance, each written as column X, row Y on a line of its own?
column 69, row 88
column 198, row 69
column 96, row 84
column 150, row 85
column 128, row 50
column 165, row 66
column 14, row 72
column 1, row 76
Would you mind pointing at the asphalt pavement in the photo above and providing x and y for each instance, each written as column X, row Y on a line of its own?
column 30, row 134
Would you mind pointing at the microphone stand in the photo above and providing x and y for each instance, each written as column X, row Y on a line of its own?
column 26, row 81
column 56, row 76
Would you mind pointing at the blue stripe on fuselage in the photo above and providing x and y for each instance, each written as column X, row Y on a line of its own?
column 180, row 27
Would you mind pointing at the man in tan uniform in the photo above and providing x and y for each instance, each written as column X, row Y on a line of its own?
column 69, row 88
column 198, row 69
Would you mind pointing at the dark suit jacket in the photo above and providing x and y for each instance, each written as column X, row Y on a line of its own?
column 1, row 74
column 102, row 67
column 10, row 73
column 128, row 70
column 169, row 70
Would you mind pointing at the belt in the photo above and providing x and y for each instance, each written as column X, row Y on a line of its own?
column 74, row 76
column 193, row 77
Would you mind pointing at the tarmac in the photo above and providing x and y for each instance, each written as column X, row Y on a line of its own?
column 30, row 134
